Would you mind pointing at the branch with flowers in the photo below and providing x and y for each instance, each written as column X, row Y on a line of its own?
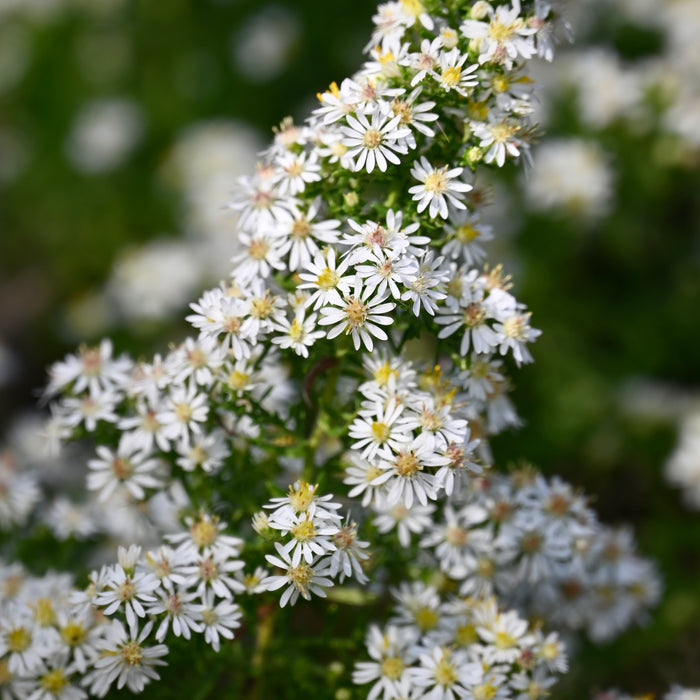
column 326, row 433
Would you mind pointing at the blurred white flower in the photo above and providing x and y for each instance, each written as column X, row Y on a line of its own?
column 104, row 134
column 571, row 174
column 263, row 45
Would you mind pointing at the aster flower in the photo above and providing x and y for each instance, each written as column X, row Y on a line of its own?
column 125, row 659
column 359, row 315
column 438, row 189
column 301, row 579
column 375, row 138
column 128, row 467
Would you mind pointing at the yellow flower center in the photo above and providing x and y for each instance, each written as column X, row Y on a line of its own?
column 296, row 331
column 122, row 468
column 327, row 279
column 131, row 653
column 73, row 633
column 44, row 613
column 380, row 431
column 204, row 532
column 258, row 249
column 456, row 536
column 372, row 138
column 18, row 639
column 301, row 498
column 451, row 75
column 445, row 673
column 425, row 618
column 304, row 530
column 466, row 634
column 466, row 233
column 407, row 464
column 414, row 8
column 238, row 380
column 54, row 681
column 436, row 182
column 301, row 229
column 392, row 668
column 504, row 640
column 500, row 31
column 356, row 313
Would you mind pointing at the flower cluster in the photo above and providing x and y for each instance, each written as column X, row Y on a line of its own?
column 435, row 648
column 358, row 247
column 319, row 546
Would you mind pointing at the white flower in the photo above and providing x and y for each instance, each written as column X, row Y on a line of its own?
column 184, row 409
column 299, row 334
column 452, row 75
column 376, row 140
column 376, row 426
column 326, row 279
column 504, row 38
column 303, row 233
column 392, row 651
column 128, row 590
column 129, row 467
column 218, row 620
column 294, row 172
column 358, row 316
column 126, row 660
column 438, row 189
column 301, row 579
column 446, row 674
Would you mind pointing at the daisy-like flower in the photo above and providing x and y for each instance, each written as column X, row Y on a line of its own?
column 206, row 451
column 387, row 271
column 365, row 476
column 416, row 115
column 425, row 61
column 128, row 467
column 299, row 335
column 326, row 279
column 516, row 331
column 220, row 312
column 125, row 659
column 303, row 232
column 359, row 315
column 506, row 637
column 92, row 368
column 183, row 411
column 89, row 409
column 452, row 75
column 302, row 579
column 262, row 253
column 218, row 619
column 406, row 467
column 498, row 138
column 465, row 233
column 294, row 172
column 506, row 36
column 446, row 675
column 439, row 188
column 179, row 613
column 52, row 681
column 345, row 560
column 376, row 427
column 302, row 498
column 260, row 203
column 392, row 653
column 311, row 537
column 375, row 140
column 127, row 589
column 426, row 285
column 406, row 521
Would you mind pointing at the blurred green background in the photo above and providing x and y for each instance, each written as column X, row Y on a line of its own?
column 103, row 100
